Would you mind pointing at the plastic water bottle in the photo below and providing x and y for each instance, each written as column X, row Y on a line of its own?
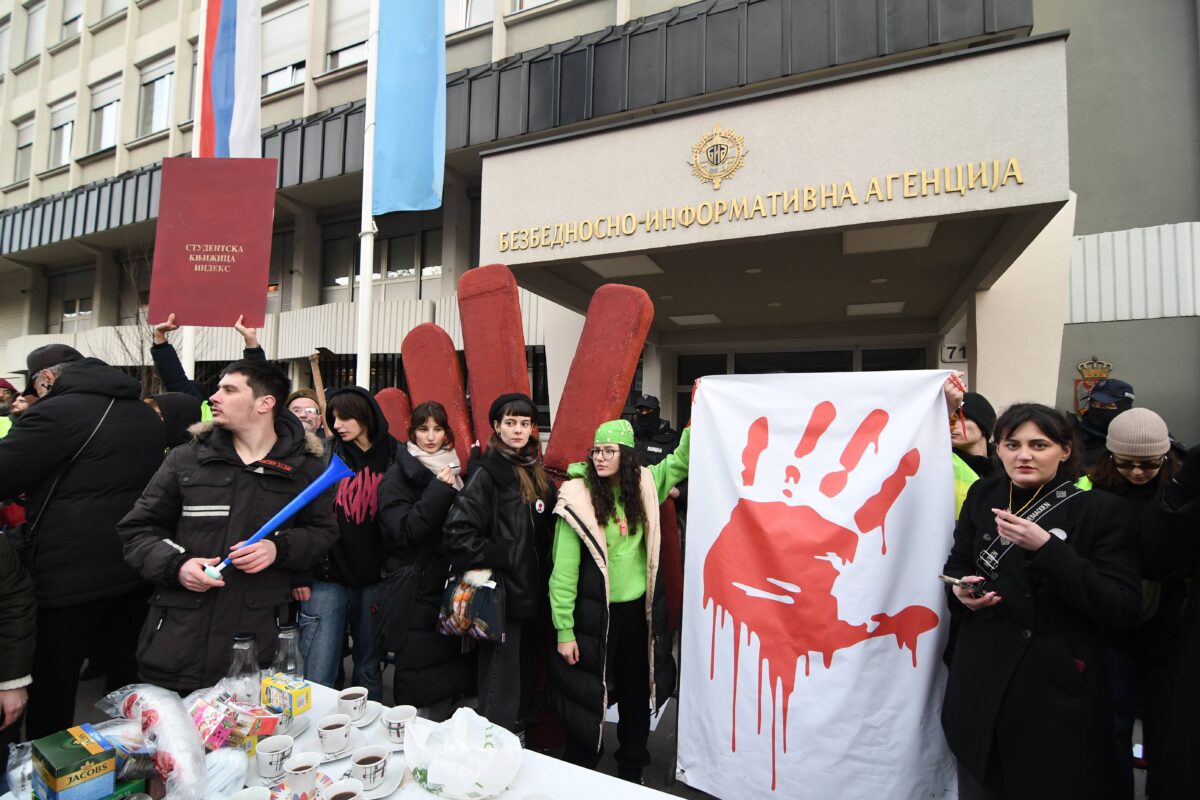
column 243, row 676
column 288, row 661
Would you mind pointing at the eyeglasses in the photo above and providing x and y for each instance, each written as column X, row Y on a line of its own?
column 1144, row 466
column 307, row 410
column 603, row 453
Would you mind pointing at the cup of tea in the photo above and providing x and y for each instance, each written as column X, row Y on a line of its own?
column 345, row 789
column 353, row 701
column 300, row 775
column 369, row 765
column 396, row 719
column 334, row 732
column 271, row 753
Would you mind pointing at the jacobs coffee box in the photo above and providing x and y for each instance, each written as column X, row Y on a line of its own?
column 73, row 765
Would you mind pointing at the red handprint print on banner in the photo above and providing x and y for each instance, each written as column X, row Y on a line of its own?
column 772, row 566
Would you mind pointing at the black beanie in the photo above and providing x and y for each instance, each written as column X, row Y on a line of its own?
column 497, row 408
column 976, row 408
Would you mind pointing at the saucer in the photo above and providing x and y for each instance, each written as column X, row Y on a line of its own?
column 279, row 791
column 356, row 740
column 299, row 725
column 391, row 780
column 369, row 715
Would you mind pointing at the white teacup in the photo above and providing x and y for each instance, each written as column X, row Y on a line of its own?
column 334, row 732
column 300, row 775
column 271, row 753
column 396, row 719
column 345, row 789
column 353, row 701
column 369, row 765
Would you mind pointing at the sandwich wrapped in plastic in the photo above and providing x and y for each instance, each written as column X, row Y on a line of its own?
column 166, row 728
column 464, row 758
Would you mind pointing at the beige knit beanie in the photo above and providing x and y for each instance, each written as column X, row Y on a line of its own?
column 1138, row 433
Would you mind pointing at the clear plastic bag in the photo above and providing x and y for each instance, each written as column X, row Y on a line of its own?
column 168, row 729
column 20, row 770
column 464, row 758
column 225, row 773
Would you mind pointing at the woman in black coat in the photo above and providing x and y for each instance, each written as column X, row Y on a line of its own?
column 414, row 499
column 499, row 528
column 1135, row 466
column 1027, row 711
column 1170, row 541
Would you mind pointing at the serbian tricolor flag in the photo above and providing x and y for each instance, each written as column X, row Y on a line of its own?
column 229, row 81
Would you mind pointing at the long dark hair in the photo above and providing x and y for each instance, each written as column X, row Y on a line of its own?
column 1050, row 422
column 1106, row 475
column 351, row 405
column 629, row 473
column 430, row 410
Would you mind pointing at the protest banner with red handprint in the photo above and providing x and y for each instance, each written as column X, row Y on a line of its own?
column 822, row 511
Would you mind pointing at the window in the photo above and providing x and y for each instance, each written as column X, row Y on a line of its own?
column 69, row 301
column 24, row 151
column 521, row 5
column 35, row 29
column 346, row 42
column 110, row 7
column 154, row 99
column 5, row 35
column 284, row 47
column 461, row 14
column 399, row 252
column 106, row 115
column 192, row 110
column 62, row 125
column 338, row 262
column 72, row 19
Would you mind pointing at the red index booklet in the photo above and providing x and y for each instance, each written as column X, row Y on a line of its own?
column 212, row 249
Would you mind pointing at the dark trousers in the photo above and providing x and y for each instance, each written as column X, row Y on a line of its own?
column 68, row 635
column 1139, row 690
column 628, row 671
column 506, row 673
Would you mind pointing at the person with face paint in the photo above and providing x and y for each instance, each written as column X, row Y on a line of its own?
column 1136, row 466
column 1052, row 567
column 501, row 521
column 609, row 606
column 414, row 501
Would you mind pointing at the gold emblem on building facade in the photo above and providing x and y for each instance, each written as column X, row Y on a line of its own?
column 717, row 155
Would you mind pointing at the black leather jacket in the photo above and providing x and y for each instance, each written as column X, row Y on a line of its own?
column 491, row 527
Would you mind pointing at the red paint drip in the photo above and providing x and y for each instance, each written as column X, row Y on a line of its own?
column 874, row 511
column 757, row 540
column 822, row 417
column 756, row 442
column 791, row 474
column 867, row 435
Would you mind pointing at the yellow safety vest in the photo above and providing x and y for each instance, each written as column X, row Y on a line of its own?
column 964, row 476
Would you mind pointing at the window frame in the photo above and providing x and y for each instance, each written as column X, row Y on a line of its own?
column 149, row 74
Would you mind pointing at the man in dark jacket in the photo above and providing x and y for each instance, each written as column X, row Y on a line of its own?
column 653, row 436
column 208, row 497
column 18, row 621
column 82, row 455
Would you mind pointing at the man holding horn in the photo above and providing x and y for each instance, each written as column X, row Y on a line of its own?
column 205, row 501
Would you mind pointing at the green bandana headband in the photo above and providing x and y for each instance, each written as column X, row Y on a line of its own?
column 617, row 431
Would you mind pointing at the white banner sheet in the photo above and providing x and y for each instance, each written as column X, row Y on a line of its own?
column 821, row 512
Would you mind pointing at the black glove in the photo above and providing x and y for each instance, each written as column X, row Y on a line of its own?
column 1185, row 486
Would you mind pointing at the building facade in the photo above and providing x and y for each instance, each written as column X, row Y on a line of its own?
column 800, row 185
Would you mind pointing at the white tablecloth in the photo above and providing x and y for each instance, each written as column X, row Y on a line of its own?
column 540, row 777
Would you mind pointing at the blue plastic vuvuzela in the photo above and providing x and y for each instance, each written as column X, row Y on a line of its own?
column 336, row 470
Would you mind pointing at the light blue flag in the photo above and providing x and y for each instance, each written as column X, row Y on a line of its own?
column 410, row 106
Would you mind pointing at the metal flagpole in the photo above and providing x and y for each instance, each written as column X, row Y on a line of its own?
column 366, row 236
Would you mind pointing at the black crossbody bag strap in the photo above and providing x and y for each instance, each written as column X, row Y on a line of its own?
column 38, row 520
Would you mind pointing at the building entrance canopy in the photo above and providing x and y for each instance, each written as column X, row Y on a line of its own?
column 932, row 175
